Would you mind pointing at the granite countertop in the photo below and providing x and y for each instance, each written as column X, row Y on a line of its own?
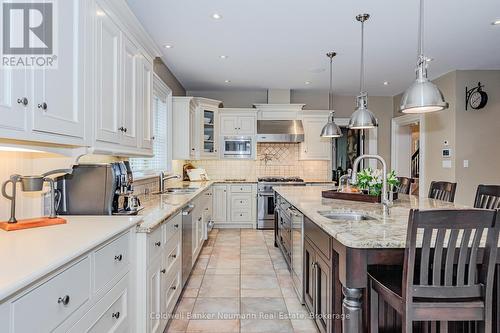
column 383, row 232
column 30, row 254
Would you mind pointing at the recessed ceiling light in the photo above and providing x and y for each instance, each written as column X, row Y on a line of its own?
column 216, row 16
column 223, row 56
column 100, row 13
column 307, row 82
column 386, row 83
column 227, row 81
column 167, row 46
column 496, row 22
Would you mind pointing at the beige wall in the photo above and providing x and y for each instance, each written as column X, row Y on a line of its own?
column 477, row 135
column 169, row 78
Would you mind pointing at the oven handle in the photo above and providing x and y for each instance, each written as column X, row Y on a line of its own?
column 266, row 195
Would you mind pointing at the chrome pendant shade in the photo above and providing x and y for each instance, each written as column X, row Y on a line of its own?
column 331, row 129
column 422, row 96
column 362, row 118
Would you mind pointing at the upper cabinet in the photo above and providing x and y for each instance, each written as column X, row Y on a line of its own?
column 100, row 93
column 314, row 146
column 238, row 121
column 124, row 121
column 195, row 128
column 48, row 104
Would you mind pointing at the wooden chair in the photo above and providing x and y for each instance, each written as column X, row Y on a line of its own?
column 404, row 185
column 440, row 282
column 444, row 191
column 487, row 197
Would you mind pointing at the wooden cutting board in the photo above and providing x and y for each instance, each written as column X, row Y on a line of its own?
column 31, row 223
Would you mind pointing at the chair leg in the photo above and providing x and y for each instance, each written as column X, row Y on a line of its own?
column 373, row 310
column 443, row 327
column 433, row 327
column 407, row 326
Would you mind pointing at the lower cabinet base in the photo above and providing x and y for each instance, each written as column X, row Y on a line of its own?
column 223, row 225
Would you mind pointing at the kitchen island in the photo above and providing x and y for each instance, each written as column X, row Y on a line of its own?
column 347, row 248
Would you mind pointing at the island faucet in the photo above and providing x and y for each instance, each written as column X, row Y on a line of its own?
column 386, row 195
column 163, row 177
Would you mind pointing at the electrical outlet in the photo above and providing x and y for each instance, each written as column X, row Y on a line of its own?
column 466, row 163
column 46, row 203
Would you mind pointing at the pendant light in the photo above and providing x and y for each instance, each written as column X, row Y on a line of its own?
column 362, row 118
column 331, row 129
column 422, row 96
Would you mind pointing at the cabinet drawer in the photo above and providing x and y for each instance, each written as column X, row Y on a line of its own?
column 241, row 215
column 47, row 306
column 110, row 314
column 172, row 227
column 318, row 237
column 241, row 188
column 241, row 201
column 173, row 288
column 110, row 260
column 172, row 252
column 155, row 243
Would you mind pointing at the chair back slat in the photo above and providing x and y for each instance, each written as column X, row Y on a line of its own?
column 452, row 277
column 463, row 257
column 438, row 256
column 450, row 257
column 424, row 261
column 404, row 185
column 473, row 256
column 444, row 191
column 487, row 197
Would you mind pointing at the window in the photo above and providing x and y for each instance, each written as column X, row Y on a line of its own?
column 162, row 134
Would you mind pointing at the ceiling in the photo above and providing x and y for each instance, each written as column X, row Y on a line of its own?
column 282, row 43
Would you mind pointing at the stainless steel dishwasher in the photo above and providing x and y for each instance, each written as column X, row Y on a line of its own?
column 296, row 271
column 187, row 242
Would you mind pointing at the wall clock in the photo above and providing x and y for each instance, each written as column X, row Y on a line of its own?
column 476, row 98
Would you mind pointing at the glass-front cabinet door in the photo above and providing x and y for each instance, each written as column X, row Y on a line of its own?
column 209, row 133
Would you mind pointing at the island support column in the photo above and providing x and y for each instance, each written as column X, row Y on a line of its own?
column 352, row 319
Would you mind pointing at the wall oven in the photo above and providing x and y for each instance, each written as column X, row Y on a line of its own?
column 238, row 147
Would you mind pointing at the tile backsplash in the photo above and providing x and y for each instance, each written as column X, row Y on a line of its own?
column 272, row 160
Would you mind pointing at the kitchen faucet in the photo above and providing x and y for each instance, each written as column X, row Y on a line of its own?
column 163, row 177
column 386, row 195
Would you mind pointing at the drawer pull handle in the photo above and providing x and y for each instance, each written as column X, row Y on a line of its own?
column 23, row 101
column 173, row 287
column 157, row 243
column 64, row 300
column 176, row 225
column 163, row 271
column 116, row 315
column 119, row 257
column 241, row 201
column 173, row 256
column 43, row 106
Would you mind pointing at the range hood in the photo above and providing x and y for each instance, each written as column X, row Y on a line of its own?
column 280, row 131
column 277, row 128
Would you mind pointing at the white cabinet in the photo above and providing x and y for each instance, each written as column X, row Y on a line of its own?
column 57, row 95
column 159, row 272
column 108, row 112
column 47, row 104
column 238, row 121
column 91, row 294
column 235, row 205
column 219, row 203
column 14, row 99
column 314, row 146
column 124, row 76
column 195, row 128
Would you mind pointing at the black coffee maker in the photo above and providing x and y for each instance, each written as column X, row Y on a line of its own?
column 97, row 189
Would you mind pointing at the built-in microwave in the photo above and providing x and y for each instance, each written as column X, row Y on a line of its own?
column 238, row 147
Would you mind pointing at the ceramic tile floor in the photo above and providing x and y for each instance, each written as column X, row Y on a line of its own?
column 240, row 283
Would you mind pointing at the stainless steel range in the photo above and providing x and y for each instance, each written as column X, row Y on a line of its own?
column 265, row 198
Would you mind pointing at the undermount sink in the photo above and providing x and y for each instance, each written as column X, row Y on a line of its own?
column 345, row 216
column 178, row 190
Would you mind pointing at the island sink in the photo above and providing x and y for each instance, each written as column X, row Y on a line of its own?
column 345, row 216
